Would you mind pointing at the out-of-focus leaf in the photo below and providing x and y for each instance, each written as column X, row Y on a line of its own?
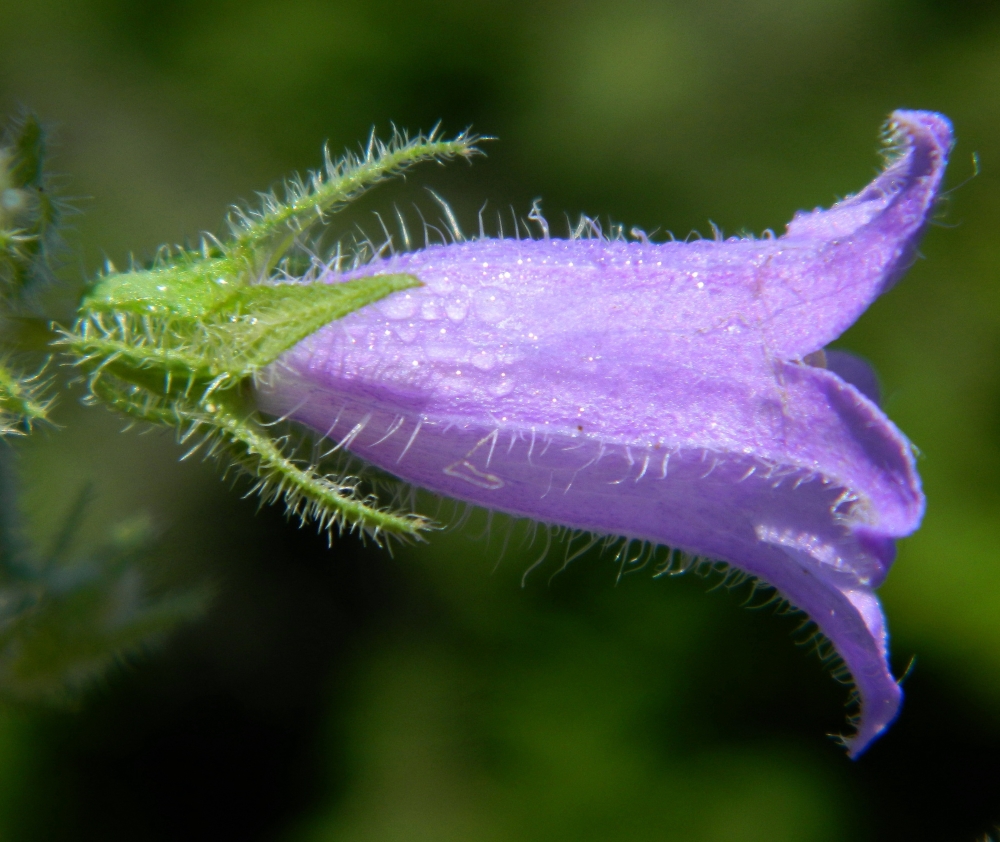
column 67, row 616
column 29, row 211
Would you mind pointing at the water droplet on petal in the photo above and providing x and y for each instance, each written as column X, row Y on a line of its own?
column 398, row 307
column 503, row 386
column 456, row 309
column 483, row 360
column 490, row 305
column 407, row 333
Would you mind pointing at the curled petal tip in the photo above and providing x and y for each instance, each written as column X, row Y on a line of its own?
column 843, row 258
column 924, row 130
column 658, row 391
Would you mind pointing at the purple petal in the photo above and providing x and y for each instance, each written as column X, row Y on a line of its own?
column 857, row 372
column 655, row 391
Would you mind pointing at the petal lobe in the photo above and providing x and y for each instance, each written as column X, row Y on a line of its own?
column 656, row 391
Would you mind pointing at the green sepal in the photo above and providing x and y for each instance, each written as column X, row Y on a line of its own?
column 188, row 372
column 265, row 321
column 189, row 287
column 233, row 339
column 262, row 237
column 21, row 402
column 179, row 343
column 223, row 425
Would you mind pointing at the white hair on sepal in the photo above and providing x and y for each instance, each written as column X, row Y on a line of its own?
column 535, row 215
column 449, row 217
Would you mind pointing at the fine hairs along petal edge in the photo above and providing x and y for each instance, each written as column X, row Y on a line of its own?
column 667, row 392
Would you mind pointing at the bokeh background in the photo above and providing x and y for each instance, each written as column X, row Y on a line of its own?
column 345, row 693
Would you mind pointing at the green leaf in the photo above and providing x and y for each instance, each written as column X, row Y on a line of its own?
column 27, row 153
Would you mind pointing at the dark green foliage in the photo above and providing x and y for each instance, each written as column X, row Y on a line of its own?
column 67, row 615
column 29, row 213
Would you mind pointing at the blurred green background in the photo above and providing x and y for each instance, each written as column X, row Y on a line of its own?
column 345, row 693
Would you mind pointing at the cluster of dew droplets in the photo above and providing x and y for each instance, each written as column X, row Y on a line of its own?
column 431, row 325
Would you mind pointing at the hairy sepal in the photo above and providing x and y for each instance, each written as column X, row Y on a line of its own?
column 186, row 372
column 22, row 401
column 179, row 342
column 229, row 337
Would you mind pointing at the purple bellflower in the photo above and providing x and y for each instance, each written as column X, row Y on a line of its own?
column 670, row 392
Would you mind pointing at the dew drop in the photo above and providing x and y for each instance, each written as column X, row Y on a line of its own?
column 490, row 306
column 444, row 351
column 502, row 387
column 398, row 307
column 13, row 199
column 483, row 360
column 456, row 309
column 407, row 333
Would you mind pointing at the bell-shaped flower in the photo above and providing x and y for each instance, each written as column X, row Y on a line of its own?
column 670, row 392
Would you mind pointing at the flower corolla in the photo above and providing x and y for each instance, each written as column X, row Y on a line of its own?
column 670, row 392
